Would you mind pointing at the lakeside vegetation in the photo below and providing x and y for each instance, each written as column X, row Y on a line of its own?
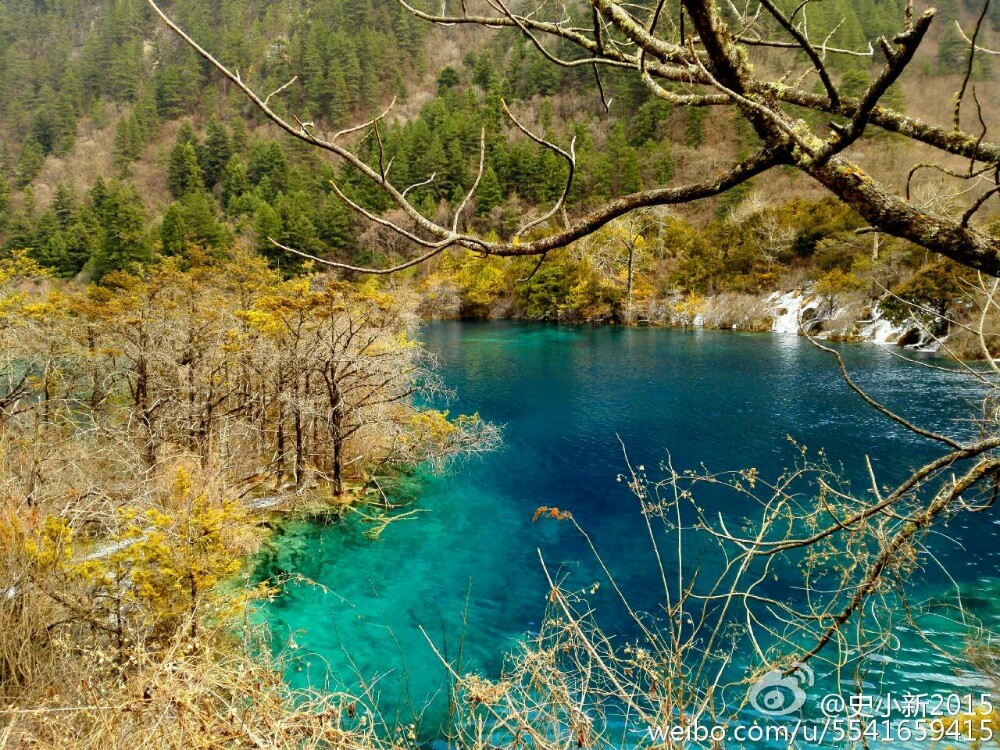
column 141, row 421
column 167, row 367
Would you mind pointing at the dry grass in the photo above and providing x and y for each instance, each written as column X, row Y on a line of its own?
column 89, row 159
column 738, row 312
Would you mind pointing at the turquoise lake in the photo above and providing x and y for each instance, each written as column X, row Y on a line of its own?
column 566, row 396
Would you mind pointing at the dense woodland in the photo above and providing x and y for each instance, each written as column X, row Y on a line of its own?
column 167, row 370
column 220, row 180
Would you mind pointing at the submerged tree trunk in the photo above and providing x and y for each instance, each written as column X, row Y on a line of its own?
column 144, row 409
column 280, row 431
column 629, row 315
column 336, row 429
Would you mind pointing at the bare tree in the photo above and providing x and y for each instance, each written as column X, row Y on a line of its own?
column 704, row 60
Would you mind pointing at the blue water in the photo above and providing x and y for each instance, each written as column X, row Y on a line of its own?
column 468, row 571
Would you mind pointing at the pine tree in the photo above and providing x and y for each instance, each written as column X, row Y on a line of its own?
column 169, row 87
column 30, row 163
column 128, row 143
column 267, row 160
column 625, row 176
column 4, row 202
column 239, row 137
column 98, row 195
column 694, row 126
column 122, row 242
column 489, row 195
column 125, row 70
column 43, row 126
column 267, row 224
column 45, row 230
column 447, row 79
column 184, row 171
column 64, row 205
column 146, row 119
column 64, row 249
column 186, row 134
column 192, row 221
column 173, row 232
column 78, row 241
column 336, row 226
column 234, row 181
column 215, row 153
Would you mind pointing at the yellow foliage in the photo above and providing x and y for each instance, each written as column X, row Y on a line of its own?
column 482, row 280
column 428, row 427
column 176, row 559
column 689, row 308
column 167, row 563
column 54, row 546
column 20, row 266
column 370, row 290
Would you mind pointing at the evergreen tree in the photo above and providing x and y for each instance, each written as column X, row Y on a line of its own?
column 169, row 87
column 98, row 195
column 192, row 221
column 146, row 119
column 267, row 160
column 122, row 241
column 125, row 70
column 234, row 181
column 184, row 172
column 239, row 137
column 64, row 205
column 30, row 163
column 336, row 225
column 77, row 247
column 267, row 224
column 694, row 126
column 489, row 195
column 214, row 155
column 65, row 250
column 624, row 161
column 186, row 134
column 173, row 232
column 43, row 127
column 128, row 143
column 447, row 79
column 45, row 230
column 4, row 202
column 21, row 225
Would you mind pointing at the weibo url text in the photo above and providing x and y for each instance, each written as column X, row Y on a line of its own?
column 954, row 729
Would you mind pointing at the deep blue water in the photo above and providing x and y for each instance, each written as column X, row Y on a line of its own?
column 567, row 396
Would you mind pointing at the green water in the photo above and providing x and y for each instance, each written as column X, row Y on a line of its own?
column 467, row 570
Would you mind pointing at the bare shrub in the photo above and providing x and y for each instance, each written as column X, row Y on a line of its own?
column 738, row 312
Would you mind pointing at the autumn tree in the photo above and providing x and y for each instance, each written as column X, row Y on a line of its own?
column 930, row 296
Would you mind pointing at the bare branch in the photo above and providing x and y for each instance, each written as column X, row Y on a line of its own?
column 805, row 45
column 569, row 156
column 957, row 118
column 280, row 89
column 965, row 36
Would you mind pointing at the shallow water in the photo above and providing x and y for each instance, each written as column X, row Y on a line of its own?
column 467, row 570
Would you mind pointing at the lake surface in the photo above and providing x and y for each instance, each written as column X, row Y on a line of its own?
column 467, row 570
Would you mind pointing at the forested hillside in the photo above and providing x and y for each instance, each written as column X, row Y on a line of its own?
column 121, row 146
